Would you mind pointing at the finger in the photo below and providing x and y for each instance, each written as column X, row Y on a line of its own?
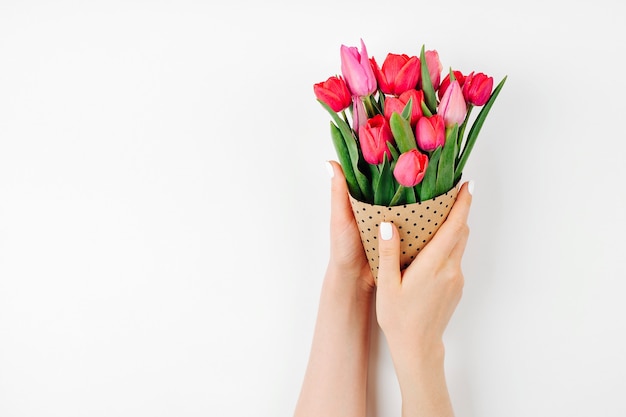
column 388, row 256
column 453, row 229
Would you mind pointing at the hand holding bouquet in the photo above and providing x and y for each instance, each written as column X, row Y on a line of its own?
column 407, row 140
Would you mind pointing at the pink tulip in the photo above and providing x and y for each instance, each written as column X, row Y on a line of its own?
column 357, row 70
column 410, row 168
column 373, row 136
column 452, row 106
column 434, row 67
column 397, row 104
column 477, row 88
column 446, row 82
column 334, row 92
column 399, row 73
column 430, row 133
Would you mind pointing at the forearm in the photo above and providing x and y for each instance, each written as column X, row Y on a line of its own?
column 423, row 384
column 335, row 381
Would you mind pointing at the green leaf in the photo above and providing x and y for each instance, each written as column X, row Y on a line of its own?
column 426, row 110
column 398, row 197
column 408, row 108
column 445, row 170
column 428, row 183
column 427, row 85
column 417, row 191
column 353, row 150
column 475, row 129
column 409, row 195
column 402, row 132
column 383, row 192
column 346, row 164
column 394, row 152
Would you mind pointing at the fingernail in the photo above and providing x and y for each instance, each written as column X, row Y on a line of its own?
column 470, row 187
column 385, row 231
column 329, row 168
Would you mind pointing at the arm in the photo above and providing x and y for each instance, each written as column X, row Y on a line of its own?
column 415, row 306
column 335, row 381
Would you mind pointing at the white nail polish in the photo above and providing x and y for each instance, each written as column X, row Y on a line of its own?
column 329, row 168
column 470, row 187
column 385, row 231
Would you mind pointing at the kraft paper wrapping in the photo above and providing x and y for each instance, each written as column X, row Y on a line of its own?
column 416, row 223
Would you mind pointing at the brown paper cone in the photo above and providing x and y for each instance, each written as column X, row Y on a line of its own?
column 416, row 223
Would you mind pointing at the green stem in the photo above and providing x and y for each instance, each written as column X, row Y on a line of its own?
column 369, row 106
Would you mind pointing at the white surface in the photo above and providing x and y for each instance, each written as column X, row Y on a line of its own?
column 164, row 204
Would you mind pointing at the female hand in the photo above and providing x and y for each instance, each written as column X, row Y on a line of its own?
column 415, row 306
column 347, row 257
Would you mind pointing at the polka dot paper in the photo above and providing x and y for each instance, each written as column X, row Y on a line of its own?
column 417, row 223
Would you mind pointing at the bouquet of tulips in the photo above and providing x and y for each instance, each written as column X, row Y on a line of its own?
column 406, row 142
column 406, row 139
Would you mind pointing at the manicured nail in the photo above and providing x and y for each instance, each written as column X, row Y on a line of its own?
column 385, row 231
column 470, row 187
column 329, row 168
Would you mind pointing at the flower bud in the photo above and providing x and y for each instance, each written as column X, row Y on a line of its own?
column 373, row 137
column 452, row 106
column 399, row 73
column 357, row 70
column 410, row 168
column 333, row 92
column 430, row 133
column 477, row 88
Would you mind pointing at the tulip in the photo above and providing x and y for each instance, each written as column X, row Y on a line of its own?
column 434, row 67
column 446, row 82
column 373, row 136
column 430, row 133
column 452, row 106
column 410, row 168
column 357, row 70
column 397, row 105
column 399, row 73
column 477, row 88
column 333, row 92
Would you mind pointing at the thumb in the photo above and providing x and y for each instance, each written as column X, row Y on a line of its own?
column 388, row 256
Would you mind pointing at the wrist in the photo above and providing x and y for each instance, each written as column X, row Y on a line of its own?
column 349, row 283
column 417, row 361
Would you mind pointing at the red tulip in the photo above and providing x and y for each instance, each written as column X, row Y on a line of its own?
column 410, row 168
column 334, row 92
column 357, row 70
column 373, row 136
column 397, row 104
column 430, row 132
column 452, row 106
column 446, row 82
column 399, row 73
column 477, row 88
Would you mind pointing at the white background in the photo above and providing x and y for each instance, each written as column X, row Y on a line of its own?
column 164, row 204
